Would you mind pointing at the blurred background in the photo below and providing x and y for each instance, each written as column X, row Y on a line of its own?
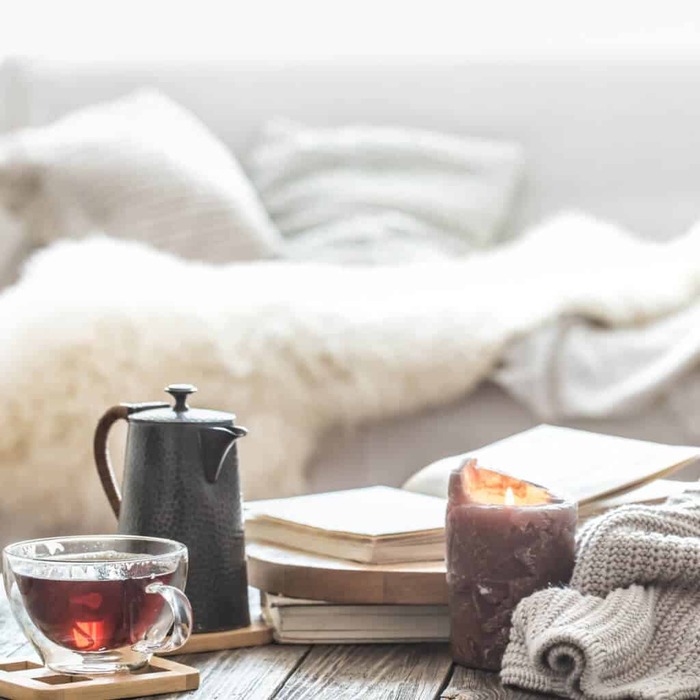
column 380, row 232
column 322, row 30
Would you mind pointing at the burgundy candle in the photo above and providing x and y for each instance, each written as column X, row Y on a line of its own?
column 506, row 539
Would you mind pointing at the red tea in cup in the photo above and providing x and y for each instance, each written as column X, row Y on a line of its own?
column 92, row 615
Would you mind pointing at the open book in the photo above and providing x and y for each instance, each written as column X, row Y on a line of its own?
column 586, row 467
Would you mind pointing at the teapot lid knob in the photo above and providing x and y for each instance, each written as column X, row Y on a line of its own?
column 180, row 392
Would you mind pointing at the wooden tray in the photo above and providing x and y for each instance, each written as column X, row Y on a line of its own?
column 302, row 575
column 27, row 680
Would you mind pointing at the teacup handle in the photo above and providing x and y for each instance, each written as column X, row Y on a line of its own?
column 182, row 621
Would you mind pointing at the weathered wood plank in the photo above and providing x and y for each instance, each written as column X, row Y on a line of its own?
column 466, row 684
column 256, row 673
column 370, row 672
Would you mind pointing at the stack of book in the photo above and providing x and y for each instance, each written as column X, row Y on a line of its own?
column 361, row 529
column 365, row 549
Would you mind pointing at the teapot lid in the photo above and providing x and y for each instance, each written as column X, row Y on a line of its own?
column 181, row 412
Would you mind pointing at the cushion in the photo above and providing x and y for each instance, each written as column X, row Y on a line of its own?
column 140, row 167
column 380, row 194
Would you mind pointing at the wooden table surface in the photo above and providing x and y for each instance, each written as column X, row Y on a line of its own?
column 318, row 672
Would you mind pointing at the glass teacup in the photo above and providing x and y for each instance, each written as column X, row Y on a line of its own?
column 99, row 604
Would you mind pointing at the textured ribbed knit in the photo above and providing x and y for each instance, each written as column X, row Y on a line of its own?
column 629, row 625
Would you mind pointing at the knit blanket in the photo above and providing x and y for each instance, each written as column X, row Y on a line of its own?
column 292, row 348
column 629, row 625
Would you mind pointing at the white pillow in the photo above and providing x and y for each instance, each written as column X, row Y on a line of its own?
column 142, row 168
column 378, row 194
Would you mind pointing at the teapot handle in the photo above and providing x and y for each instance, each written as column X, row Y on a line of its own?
column 101, row 451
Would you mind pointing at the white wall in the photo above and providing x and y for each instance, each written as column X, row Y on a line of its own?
column 327, row 28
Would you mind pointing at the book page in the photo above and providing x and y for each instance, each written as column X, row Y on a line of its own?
column 650, row 492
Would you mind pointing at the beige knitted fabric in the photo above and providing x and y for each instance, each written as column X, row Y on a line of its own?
column 629, row 626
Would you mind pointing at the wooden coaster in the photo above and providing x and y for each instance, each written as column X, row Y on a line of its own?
column 256, row 634
column 303, row 575
column 26, row 680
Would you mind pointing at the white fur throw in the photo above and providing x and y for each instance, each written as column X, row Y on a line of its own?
column 291, row 348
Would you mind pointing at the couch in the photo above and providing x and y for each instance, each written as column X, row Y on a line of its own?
column 617, row 138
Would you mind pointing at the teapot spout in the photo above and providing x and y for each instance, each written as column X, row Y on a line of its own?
column 216, row 443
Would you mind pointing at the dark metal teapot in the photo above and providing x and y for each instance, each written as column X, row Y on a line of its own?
column 181, row 482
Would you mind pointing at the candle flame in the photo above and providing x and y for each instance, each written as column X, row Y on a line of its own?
column 476, row 484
